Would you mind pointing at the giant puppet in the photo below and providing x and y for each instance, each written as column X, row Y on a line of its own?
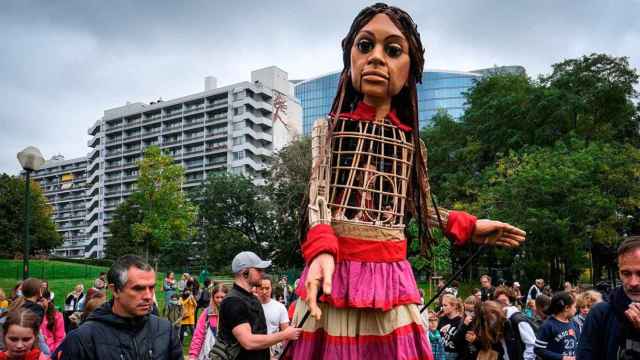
column 369, row 177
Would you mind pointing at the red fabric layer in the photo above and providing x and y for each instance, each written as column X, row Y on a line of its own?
column 372, row 251
column 408, row 342
column 460, row 226
column 368, row 285
column 320, row 239
column 365, row 112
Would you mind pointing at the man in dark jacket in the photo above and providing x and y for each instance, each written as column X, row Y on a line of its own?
column 123, row 328
column 612, row 329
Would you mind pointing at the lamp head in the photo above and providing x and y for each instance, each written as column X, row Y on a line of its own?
column 30, row 158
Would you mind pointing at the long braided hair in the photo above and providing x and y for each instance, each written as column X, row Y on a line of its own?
column 405, row 103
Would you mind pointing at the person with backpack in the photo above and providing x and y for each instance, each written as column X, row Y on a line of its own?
column 243, row 327
column 524, row 329
column 207, row 327
column 204, row 296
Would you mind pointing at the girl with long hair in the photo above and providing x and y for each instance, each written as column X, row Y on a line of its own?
column 495, row 338
column 20, row 335
column 207, row 327
column 558, row 336
column 368, row 180
column 52, row 327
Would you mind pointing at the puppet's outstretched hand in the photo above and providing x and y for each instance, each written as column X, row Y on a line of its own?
column 497, row 233
column 320, row 272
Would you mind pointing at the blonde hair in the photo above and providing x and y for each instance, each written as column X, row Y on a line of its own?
column 471, row 300
column 2, row 294
column 588, row 299
column 455, row 302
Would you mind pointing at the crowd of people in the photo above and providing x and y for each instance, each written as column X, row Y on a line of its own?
column 494, row 322
column 573, row 323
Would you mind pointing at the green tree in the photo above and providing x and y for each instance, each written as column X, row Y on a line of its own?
column 286, row 187
column 235, row 216
column 166, row 216
column 121, row 229
column 597, row 96
column 512, row 119
column 566, row 197
column 43, row 234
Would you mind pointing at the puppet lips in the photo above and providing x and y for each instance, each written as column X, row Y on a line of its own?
column 375, row 75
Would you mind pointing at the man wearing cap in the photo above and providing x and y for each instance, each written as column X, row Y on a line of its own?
column 241, row 316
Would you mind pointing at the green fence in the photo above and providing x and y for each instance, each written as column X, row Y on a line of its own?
column 50, row 270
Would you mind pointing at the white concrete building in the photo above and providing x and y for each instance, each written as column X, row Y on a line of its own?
column 233, row 128
column 64, row 184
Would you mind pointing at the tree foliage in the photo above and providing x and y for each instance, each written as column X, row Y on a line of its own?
column 158, row 218
column 42, row 229
column 557, row 156
column 235, row 216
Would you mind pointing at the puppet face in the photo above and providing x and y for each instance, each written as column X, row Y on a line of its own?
column 380, row 60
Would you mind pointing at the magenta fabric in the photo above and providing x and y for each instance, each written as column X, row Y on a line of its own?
column 366, row 285
column 53, row 338
column 407, row 343
column 200, row 332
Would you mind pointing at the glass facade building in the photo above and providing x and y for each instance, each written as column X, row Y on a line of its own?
column 440, row 89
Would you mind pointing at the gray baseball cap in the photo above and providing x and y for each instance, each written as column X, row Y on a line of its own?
column 248, row 259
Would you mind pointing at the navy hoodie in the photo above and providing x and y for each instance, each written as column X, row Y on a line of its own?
column 607, row 333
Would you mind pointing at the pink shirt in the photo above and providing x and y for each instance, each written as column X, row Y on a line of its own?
column 197, row 341
column 55, row 337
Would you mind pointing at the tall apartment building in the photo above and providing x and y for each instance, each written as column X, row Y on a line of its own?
column 233, row 128
column 64, row 184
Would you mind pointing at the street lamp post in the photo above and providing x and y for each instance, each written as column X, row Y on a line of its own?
column 31, row 160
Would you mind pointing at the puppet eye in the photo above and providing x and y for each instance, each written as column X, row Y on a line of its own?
column 393, row 50
column 364, row 45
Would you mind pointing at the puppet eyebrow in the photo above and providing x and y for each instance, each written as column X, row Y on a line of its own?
column 390, row 37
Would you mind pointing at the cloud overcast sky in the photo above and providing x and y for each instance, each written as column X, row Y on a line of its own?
column 62, row 63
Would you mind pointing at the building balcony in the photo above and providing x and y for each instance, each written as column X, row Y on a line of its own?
column 258, row 120
column 95, row 141
column 152, row 118
column 95, row 128
column 216, row 148
column 113, row 129
column 171, row 142
column 92, row 153
column 132, row 137
column 194, row 109
column 218, row 103
column 171, row 129
column 151, row 133
column 192, row 124
column 173, row 114
column 187, row 139
column 133, row 123
column 113, row 153
column 114, row 141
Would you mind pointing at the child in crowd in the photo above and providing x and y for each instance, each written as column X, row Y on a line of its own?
column 530, row 309
column 174, row 311
column 20, row 335
column 558, row 336
column 189, row 304
column 4, row 304
column 584, row 302
column 437, row 345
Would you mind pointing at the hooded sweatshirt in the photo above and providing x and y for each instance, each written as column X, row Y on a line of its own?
column 105, row 335
column 607, row 333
